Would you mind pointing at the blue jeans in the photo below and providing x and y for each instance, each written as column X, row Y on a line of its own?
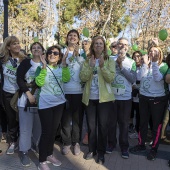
column 30, row 129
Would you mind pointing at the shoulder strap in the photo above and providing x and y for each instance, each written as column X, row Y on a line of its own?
column 56, row 80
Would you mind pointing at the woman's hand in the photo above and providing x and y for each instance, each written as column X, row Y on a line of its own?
column 146, row 59
column 31, row 98
column 64, row 58
column 92, row 61
column 155, row 56
column 76, row 50
column 43, row 60
column 101, row 61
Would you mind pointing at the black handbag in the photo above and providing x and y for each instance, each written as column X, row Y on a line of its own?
column 28, row 104
column 67, row 105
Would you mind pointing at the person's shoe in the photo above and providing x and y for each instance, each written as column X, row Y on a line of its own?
column 133, row 135
column 4, row 138
column 109, row 149
column 43, row 166
column 90, row 155
column 25, row 160
column 137, row 149
column 85, row 139
column 53, row 160
column 125, row 154
column 100, row 159
column 35, row 149
column 76, row 149
column 11, row 149
column 151, row 155
column 169, row 163
column 66, row 149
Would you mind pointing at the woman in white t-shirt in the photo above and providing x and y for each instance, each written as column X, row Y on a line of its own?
column 73, row 90
column 153, row 100
column 11, row 58
column 30, row 128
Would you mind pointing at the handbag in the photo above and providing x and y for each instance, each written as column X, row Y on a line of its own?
column 14, row 101
column 31, row 105
column 67, row 104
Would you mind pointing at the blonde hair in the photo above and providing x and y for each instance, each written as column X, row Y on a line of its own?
column 91, row 49
column 5, row 52
column 160, row 53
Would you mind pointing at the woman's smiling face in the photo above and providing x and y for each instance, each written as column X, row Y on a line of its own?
column 53, row 56
column 72, row 38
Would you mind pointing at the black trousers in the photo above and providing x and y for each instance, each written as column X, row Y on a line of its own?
column 71, row 119
column 121, row 114
column 50, row 119
column 112, row 139
column 135, row 107
column 13, row 125
column 3, row 119
column 156, row 108
column 97, row 121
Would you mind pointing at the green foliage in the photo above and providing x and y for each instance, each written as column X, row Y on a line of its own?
column 73, row 10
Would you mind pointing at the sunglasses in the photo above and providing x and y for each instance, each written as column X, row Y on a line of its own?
column 53, row 52
column 113, row 46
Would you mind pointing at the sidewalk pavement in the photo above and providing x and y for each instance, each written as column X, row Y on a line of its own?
column 112, row 161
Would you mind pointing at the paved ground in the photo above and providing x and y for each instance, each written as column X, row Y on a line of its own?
column 71, row 162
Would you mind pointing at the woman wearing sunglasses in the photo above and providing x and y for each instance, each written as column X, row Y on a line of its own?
column 11, row 58
column 50, row 79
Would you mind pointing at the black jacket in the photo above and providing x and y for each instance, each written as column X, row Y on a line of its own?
column 22, row 69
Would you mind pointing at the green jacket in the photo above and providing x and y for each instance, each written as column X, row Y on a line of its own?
column 105, row 77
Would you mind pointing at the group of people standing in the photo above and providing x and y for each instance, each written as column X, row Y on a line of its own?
column 58, row 87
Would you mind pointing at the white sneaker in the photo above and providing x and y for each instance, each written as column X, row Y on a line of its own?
column 133, row 135
column 11, row 149
column 53, row 160
column 43, row 166
column 77, row 149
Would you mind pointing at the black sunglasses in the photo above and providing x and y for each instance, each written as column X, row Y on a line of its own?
column 53, row 52
column 113, row 46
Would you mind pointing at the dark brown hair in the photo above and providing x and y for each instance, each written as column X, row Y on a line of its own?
column 73, row 31
column 52, row 48
column 38, row 44
column 136, row 52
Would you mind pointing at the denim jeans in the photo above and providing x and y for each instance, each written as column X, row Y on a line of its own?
column 30, row 129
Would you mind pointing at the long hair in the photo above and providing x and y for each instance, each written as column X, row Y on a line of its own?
column 92, row 47
column 73, row 31
column 5, row 52
column 160, row 53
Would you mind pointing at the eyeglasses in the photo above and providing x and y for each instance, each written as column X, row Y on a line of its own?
column 53, row 52
column 113, row 46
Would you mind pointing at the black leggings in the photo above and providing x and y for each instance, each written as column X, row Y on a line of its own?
column 154, row 107
column 50, row 119
column 13, row 125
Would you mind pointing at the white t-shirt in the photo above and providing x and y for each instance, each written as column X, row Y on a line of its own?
column 9, row 72
column 148, row 85
column 29, row 77
column 50, row 93
column 74, row 85
column 94, row 89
